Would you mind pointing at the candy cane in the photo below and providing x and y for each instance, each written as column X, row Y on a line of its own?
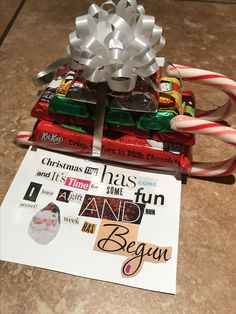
column 200, row 126
column 216, row 169
column 22, row 138
column 217, row 80
column 216, row 130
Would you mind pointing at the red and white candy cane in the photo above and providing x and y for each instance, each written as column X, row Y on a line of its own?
column 212, row 79
column 199, row 125
column 203, row 127
column 213, row 129
column 22, row 138
column 214, row 169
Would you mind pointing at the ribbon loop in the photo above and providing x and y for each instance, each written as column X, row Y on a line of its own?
column 115, row 45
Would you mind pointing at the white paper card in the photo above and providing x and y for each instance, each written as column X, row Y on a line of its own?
column 93, row 219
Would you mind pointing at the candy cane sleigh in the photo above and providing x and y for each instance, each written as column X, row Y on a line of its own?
column 202, row 124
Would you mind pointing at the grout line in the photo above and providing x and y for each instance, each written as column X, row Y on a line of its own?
column 11, row 22
column 8, row 27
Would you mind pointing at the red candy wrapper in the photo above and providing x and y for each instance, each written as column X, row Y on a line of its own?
column 115, row 146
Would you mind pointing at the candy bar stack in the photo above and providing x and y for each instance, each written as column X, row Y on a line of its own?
column 136, row 128
column 110, row 98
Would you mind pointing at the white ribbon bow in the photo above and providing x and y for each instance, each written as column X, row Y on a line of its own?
column 116, row 47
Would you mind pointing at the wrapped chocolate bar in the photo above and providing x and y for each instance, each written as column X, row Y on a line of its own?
column 77, row 110
column 115, row 146
column 189, row 105
column 138, row 110
column 170, row 105
column 74, row 98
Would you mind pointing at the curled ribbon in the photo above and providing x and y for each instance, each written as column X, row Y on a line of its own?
column 116, row 45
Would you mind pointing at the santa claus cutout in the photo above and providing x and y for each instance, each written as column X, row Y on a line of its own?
column 45, row 224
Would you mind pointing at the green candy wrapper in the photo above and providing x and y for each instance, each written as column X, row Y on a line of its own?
column 74, row 99
column 159, row 121
column 64, row 105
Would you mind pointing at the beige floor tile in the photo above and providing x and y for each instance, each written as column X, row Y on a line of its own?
column 7, row 10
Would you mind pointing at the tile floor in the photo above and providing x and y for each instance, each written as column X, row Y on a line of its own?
column 200, row 34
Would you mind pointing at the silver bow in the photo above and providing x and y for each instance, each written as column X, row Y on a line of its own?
column 116, row 47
